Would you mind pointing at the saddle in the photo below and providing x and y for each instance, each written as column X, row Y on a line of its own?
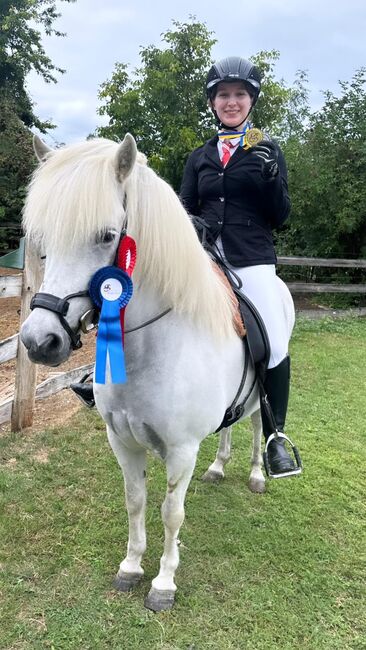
column 247, row 320
column 251, row 329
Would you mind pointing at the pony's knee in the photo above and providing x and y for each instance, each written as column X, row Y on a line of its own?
column 172, row 513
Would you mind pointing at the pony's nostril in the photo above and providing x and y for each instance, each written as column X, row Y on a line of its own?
column 53, row 343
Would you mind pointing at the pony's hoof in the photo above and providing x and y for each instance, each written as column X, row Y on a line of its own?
column 257, row 485
column 126, row 581
column 212, row 477
column 159, row 601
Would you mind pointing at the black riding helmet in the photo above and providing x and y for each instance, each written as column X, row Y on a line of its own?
column 234, row 68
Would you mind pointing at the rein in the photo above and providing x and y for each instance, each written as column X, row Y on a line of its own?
column 148, row 322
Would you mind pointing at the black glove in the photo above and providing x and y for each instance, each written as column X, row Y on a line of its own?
column 267, row 152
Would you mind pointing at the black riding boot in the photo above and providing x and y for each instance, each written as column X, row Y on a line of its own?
column 84, row 391
column 277, row 387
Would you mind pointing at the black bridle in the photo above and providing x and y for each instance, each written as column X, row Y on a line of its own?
column 60, row 306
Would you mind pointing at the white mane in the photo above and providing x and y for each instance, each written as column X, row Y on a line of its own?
column 75, row 194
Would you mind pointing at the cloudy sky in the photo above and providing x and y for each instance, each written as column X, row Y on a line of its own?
column 324, row 37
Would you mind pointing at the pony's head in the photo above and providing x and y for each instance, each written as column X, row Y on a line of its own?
column 73, row 214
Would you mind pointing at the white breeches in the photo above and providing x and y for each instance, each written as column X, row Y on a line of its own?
column 260, row 284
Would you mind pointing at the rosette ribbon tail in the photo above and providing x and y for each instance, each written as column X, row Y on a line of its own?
column 110, row 289
column 109, row 345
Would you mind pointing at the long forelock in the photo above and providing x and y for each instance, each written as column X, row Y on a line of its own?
column 73, row 195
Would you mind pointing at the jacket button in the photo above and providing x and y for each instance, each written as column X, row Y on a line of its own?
column 219, row 223
column 221, row 198
column 220, row 174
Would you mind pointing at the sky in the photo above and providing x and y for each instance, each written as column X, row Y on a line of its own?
column 326, row 38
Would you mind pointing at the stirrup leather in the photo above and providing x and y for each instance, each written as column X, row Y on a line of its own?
column 297, row 458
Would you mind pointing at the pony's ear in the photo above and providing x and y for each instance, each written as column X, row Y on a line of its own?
column 125, row 157
column 40, row 148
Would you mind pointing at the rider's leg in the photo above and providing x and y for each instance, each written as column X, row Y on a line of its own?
column 260, row 284
column 277, row 387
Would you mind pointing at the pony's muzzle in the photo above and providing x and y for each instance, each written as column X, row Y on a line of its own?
column 48, row 348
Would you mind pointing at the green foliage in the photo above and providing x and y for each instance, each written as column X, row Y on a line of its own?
column 21, row 51
column 163, row 103
column 327, row 171
column 16, row 164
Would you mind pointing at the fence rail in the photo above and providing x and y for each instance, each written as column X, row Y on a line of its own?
column 46, row 388
column 11, row 286
column 19, row 408
column 323, row 287
column 318, row 261
column 9, row 348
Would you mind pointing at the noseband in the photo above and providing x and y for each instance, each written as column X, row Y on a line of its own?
column 60, row 306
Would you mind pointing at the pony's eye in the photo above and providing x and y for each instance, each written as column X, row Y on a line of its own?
column 106, row 237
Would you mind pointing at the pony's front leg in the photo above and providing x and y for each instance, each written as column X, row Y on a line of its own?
column 133, row 465
column 216, row 471
column 256, row 478
column 180, row 467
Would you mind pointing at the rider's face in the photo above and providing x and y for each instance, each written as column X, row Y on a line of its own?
column 232, row 103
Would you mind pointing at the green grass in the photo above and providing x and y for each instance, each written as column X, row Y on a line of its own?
column 283, row 570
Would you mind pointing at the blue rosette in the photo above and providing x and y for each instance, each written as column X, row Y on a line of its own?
column 110, row 289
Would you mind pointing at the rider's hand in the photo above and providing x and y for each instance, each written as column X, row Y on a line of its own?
column 266, row 151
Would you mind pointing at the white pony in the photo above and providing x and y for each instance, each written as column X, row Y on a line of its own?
column 183, row 370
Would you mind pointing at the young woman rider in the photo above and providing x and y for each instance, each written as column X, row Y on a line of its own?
column 241, row 194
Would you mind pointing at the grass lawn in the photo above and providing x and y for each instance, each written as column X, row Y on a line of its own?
column 285, row 570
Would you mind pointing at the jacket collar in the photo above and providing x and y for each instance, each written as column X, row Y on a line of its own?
column 212, row 153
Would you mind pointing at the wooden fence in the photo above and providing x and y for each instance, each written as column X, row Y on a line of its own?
column 19, row 407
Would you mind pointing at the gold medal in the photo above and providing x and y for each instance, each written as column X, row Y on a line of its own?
column 252, row 137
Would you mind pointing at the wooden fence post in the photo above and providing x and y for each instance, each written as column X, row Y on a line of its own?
column 26, row 371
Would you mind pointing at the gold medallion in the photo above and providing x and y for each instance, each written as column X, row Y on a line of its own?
column 252, row 137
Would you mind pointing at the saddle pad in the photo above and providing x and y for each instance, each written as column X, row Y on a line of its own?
column 237, row 321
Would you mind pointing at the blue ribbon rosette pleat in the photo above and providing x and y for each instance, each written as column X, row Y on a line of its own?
column 110, row 289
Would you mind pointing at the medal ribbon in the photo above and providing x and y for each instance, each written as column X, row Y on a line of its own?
column 232, row 135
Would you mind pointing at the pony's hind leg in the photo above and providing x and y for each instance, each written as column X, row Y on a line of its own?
column 180, row 466
column 133, row 465
column 256, row 478
column 216, row 471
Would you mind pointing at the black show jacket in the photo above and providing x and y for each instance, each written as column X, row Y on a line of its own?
column 236, row 202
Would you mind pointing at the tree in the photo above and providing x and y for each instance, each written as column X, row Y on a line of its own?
column 163, row 103
column 327, row 171
column 21, row 51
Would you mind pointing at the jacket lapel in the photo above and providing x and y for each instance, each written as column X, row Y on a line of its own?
column 211, row 151
column 237, row 156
